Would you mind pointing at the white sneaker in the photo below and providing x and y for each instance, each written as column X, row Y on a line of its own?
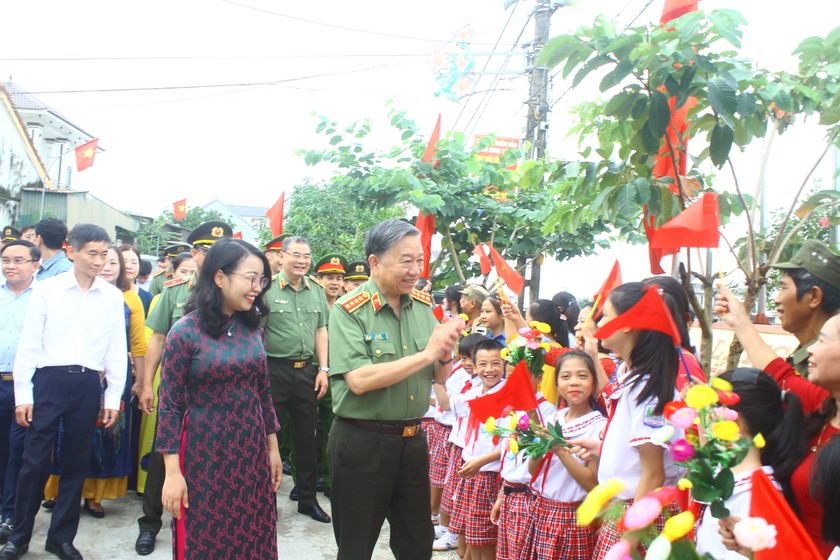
column 449, row 541
column 436, row 520
column 440, row 531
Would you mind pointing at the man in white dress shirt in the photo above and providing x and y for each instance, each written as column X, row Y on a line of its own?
column 74, row 329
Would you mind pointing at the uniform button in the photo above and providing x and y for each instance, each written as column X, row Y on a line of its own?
column 405, row 347
column 411, row 397
column 300, row 324
column 378, row 351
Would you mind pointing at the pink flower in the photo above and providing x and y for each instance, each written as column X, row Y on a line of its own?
column 723, row 413
column 683, row 418
column 619, row 551
column 524, row 422
column 533, row 344
column 755, row 533
column 682, row 450
column 641, row 514
column 823, row 222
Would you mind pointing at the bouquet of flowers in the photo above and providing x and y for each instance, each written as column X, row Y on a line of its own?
column 525, row 434
column 530, row 346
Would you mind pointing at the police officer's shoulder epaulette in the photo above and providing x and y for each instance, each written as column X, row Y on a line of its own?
column 159, row 272
column 176, row 281
column 356, row 302
column 420, row 295
column 315, row 280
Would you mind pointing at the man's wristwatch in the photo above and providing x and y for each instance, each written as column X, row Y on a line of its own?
column 325, row 369
column 444, row 362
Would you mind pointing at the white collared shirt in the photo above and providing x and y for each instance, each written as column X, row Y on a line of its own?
column 68, row 326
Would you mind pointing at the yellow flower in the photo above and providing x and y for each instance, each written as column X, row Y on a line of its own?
column 490, row 425
column 726, row 430
column 678, row 526
column 504, row 352
column 701, row 396
column 721, row 384
column 759, row 442
column 597, row 499
column 545, row 346
column 542, row 327
column 464, row 316
column 514, row 446
column 684, row 484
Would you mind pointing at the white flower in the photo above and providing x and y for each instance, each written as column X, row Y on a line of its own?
column 755, row 533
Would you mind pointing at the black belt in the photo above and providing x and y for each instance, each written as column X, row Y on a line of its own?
column 404, row 428
column 295, row 364
column 72, row 369
column 514, row 489
column 6, row 376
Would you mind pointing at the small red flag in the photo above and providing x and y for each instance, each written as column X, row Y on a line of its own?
column 613, row 280
column 483, row 259
column 437, row 311
column 237, row 235
column 676, row 8
column 792, row 541
column 275, row 215
column 431, row 147
column 426, row 224
column 655, row 255
column 518, row 393
column 696, row 226
column 649, row 314
column 179, row 209
column 85, row 154
column 509, row 276
column 677, row 137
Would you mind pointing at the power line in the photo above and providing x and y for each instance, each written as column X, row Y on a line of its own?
column 242, row 57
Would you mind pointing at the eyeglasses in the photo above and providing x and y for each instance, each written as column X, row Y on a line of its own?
column 201, row 249
column 16, row 262
column 256, row 281
column 300, row 256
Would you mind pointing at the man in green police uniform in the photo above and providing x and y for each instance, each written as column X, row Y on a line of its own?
column 272, row 253
column 167, row 311
column 330, row 274
column 295, row 333
column 161, row 277
column 808, row 296
column 358, row 272
column 385, row 350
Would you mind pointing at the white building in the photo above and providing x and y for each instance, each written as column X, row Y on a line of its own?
column 245, row 219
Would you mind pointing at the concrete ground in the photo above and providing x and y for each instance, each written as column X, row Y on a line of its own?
column 112, row 538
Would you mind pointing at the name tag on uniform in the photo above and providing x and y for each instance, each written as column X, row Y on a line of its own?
column 375, row 336
column 179, row 305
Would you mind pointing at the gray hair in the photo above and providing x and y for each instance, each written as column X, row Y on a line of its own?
column 385, row 235
column 293, row 239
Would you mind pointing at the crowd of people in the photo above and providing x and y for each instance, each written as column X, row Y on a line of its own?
column 200, row 385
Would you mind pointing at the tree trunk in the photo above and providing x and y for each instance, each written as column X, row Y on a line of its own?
column 735, row 348
column 703, row 314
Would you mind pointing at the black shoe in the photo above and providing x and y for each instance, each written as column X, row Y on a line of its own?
column 294, row 495
column 315, row 512
column 65, row 551
column 327, row 491
column 97, row 513
column 12, row 551
column 145, row 544
column 319, row 484
column 5, row 530
column 48, row 505
column 287, row 466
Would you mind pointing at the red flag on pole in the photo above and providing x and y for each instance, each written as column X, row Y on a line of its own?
column 431, row 147
column 483, row 260
column 179, row 209
column 613, row 280
column 509, row 276
column 676, row 8
column 237, row 235
column 696, row 226
column 649, row 314
column 426, row 224
column 275, row 215
column 85, row 154
column 655, row 255
column 518, row 393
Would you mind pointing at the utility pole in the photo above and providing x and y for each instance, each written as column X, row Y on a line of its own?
column 536, row 130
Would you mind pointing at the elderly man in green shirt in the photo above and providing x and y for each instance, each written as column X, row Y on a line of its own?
column 386, row 348
column 295, row 333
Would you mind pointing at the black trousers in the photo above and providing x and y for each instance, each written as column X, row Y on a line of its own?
column 293, row 390
column 73, row 398
column 377, row 476
column 11, row 451
column 152, row 504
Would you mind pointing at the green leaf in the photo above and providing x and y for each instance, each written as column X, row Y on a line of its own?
column 619, row 105
column 614, row 78
column 725, row 23
column 639, row 107
column 719, row 510
column 591, row 64
column 783, row 101
column 720, row 143
column 722, row 96
column 625, row 199
column 660, row 114
column 557, row 49
column 746, row 104
column 725, row 481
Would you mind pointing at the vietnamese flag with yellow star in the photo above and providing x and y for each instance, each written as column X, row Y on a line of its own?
column 179, row 209
column 85, row 154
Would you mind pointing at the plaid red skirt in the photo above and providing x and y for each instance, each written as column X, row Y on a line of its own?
column 437, row 435
column 515, row 518
column 481, row 491
column 554, row 533
column 609, row 533
column 451, row 477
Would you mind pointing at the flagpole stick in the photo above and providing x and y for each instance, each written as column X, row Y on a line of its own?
column 589, row 318
column 684, row 364
column 720, row 263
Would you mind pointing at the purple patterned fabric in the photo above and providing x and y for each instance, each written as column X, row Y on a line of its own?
column 223, row 384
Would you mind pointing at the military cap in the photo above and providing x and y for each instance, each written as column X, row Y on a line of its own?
column 817, row 258
column 331, row 264
column 276, row 244
column 208, row 233
column 10, row 234
column 478, row 293
column 176, row 249
column 357, row 270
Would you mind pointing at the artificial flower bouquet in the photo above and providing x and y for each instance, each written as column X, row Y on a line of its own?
column 530, row 345
column 525, row 434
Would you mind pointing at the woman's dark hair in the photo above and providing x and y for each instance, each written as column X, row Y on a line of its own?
column 496, row 305
column 225, row 255
column 681, row 310
column 544, row 311
column 825, row 487
column 777, row 416
column 568, row 306
column 590, row 365
column 467, row 345
column 486, row 344
column 176, row 262
column 653, row 352
column 122, row 282
column 453, row 294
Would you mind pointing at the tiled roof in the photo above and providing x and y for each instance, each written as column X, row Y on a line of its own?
column 248, row 211
column 22, row 99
